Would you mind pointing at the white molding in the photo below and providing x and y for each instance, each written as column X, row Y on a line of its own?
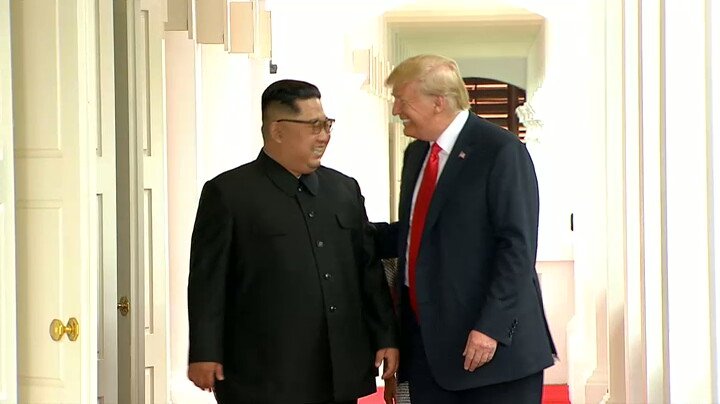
column 616, row 222
column 653, row 384
column 713, row 31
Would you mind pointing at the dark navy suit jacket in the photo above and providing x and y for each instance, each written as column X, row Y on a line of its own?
column 476, row 265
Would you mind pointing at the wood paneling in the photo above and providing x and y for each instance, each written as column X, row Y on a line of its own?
column 496, row 101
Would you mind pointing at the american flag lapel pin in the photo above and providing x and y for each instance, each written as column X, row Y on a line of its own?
column 462, row 154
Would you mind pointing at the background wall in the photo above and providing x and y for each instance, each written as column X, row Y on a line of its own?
column 322, row 53
column 509, row 70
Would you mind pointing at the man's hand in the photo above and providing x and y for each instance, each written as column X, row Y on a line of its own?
column 390, row 356
column 479, row 350
column 390, row 391
column 203, row 374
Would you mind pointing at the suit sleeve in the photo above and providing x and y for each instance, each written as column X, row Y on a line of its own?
column 513, row 210
column 385, row 236
column 209, row 257
column 377, row 303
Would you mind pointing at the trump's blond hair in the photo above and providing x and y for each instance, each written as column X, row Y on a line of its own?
column 436, row 75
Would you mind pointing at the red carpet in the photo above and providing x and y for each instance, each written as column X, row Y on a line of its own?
column 556, row 394
column 552, row 394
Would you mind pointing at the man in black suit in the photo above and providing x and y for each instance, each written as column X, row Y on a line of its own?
column 287, row 302
column 473, row 328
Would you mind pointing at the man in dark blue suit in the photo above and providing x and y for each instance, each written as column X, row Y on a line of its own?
column 473, row 324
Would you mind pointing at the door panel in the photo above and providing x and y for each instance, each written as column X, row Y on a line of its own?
column 151, row 134
column 56, row 122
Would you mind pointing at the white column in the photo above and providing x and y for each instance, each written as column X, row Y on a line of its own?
column 688, row 209
column 575, row 34
column 667, row 351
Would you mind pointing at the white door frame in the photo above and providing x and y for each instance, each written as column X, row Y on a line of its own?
column 107, row 211
column 151, row 137
column 8, row 323
column 142, row 190
column 131, row 341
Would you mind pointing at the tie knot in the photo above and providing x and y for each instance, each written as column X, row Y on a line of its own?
column 435, row 150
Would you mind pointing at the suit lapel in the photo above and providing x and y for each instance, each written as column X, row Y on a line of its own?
column 461, row 152
column 414, row 156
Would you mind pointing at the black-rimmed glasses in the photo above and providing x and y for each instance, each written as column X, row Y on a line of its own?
column 317, row 124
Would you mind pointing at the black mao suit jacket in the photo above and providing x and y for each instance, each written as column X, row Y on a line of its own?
column 284, row 290
column 476, row 265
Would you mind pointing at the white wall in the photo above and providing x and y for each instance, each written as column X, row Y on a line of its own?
column 509, row 70
column 181, row 93
column 228, row 109
column 556, row 283
column 316, row 44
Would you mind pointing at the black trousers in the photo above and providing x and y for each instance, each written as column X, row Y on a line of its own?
column 225, row 399
column 424, row 389
column 227, row 392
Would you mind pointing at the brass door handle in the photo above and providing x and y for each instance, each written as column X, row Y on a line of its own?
column 72, row 329
column 123, row 306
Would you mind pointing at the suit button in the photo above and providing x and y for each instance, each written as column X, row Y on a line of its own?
column 327, row 276
column 320, row 244
column 311, row 214
column 332, row 309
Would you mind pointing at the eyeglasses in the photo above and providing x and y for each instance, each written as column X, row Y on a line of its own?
column 317, row 124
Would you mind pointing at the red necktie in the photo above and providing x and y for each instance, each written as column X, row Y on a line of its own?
column 422, row 203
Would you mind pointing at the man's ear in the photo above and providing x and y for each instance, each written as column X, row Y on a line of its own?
column 439, row 103
column 275, row 132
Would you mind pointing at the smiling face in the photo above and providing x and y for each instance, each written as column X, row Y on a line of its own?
column 293, row 144
column 419, row 112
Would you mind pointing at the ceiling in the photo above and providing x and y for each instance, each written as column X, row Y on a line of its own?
column 487, row 7
column 465, row 28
